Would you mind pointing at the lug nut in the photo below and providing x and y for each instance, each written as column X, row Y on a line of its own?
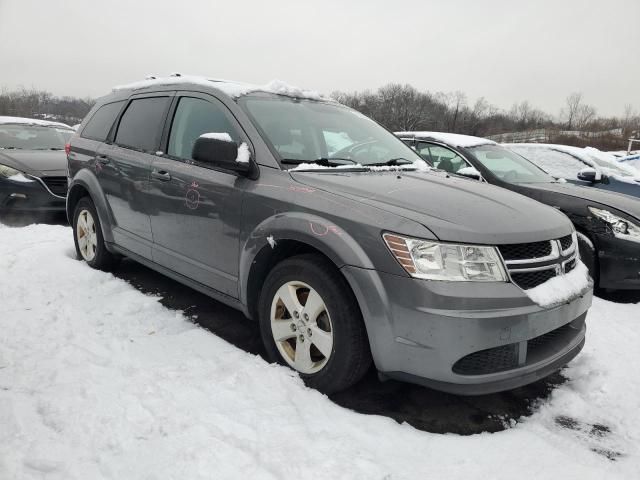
column 309, row 331
column 296, row 314
column 306, row 316
column 293, row 327
column 301, row 338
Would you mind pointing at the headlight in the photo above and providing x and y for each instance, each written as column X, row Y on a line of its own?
column 445, row 261
column 13, row 174
column 621, row 227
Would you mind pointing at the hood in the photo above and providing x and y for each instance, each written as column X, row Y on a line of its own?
column 619, row 201
column 36, row 162
column 454, row 209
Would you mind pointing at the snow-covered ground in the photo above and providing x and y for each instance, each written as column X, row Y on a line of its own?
column 99, row 381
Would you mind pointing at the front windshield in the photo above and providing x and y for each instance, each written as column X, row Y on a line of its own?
column 559, row 164
column 303, row 131
column 609, row 165
column 509, row 166
column 32, row 137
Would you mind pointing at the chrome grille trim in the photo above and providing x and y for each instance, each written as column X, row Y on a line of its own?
column 557, row 261
column 46, row 187
column 554, row 255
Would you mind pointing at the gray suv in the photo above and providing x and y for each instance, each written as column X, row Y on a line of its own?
column 329, row 231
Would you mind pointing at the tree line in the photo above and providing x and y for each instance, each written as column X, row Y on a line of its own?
column 33, row 103
column 403, row 107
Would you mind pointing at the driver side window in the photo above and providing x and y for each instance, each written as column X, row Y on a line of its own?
column 193, row 117
column 442, row 157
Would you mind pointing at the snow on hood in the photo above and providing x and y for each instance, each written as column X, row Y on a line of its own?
column 631, row 161
column 453, row 139
column 561, row 288
column 231, row 88
column 33, row 121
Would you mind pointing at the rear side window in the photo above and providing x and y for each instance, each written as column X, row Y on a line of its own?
column 141, row 124
column 194, row 117
column 99, row 125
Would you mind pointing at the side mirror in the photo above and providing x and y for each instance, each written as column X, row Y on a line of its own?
column 469, row 172
column 220, row 151
column 589, row 175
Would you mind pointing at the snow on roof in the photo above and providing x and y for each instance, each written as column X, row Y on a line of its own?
column 33, row 121
column 231, row 88
column 453, row 139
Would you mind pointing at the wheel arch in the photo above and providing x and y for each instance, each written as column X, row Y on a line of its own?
column 86, row 184
column 284, row 236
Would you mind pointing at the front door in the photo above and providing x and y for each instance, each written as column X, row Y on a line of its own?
column 196, row 214
column 124, row 168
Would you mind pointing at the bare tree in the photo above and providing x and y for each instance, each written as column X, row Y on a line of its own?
column 584, row 116
column 570, row 112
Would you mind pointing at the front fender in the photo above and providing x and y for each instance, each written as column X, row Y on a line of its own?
column 86, row 180
column 313, row 230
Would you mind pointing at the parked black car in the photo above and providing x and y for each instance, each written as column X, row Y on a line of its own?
column 344, row 258
column 586, row 167
column 608, row 223
column 33, row 165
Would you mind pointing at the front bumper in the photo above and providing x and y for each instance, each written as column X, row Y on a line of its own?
column 465, row 338
column 33, row 197
column 619, row 262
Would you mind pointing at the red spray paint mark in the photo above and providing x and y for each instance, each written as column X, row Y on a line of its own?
column 324, row 230
column 192, row 197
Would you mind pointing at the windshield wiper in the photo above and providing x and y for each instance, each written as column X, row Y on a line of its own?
column 391, row 163
column 323, row 161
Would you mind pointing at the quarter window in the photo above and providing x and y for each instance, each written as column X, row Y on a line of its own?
column 141, row 124
column 101, row 122
column 193, row 117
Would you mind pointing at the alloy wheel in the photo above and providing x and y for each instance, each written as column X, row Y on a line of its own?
column 87, row 236
column 301, row 327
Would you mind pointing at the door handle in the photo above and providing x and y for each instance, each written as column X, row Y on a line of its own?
column 102, row 159
column 161, row 175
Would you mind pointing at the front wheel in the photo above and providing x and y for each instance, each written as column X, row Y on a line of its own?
column 310, row 321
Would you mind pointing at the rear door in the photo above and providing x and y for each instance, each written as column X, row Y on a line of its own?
column 196, row 214
column 124, row 166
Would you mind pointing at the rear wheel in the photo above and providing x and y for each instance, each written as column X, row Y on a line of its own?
column 87, row 236
column 310, row 321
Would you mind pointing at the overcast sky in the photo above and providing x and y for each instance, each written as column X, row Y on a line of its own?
column 506, row 51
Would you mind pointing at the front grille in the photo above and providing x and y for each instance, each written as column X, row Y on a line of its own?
column 527, row 280
column 525, row 251
column 492, row 360
column 570, row 266
column 566, row 242
column 532, row 264
column 57, row 185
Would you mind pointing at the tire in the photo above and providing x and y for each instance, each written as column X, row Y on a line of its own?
column 333, row 313
column 589, row 256
column 90, row 247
